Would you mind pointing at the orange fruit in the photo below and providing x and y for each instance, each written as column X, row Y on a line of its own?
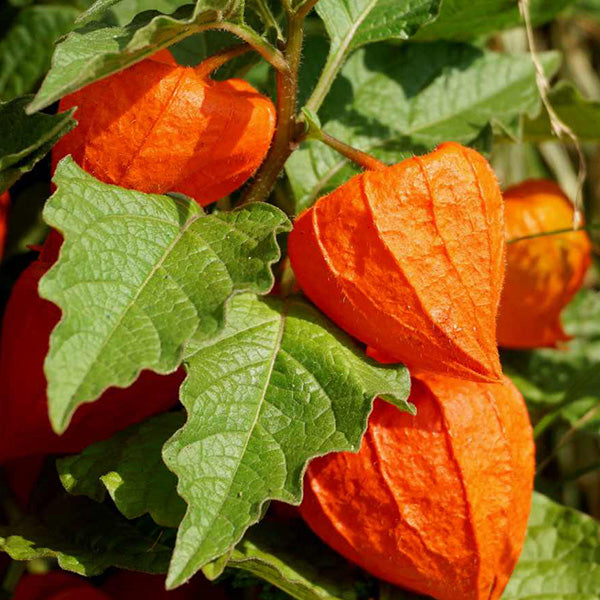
column 157, row 127
column 542, row 274
column 436, row 503
column 410, row 260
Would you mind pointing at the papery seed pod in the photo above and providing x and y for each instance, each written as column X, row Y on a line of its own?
column 542, row 274
column 158, row 127
column 436, row 503
column 56, row 585
column 25, row 428
column 410, row 260
column 4, row 206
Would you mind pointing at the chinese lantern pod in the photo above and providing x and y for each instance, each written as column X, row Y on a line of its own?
column 158, row 127
column 436, row 503
column 410, row 260
column 25, row 428
column 542, row 274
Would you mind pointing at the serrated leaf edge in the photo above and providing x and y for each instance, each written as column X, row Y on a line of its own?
column 61, row 426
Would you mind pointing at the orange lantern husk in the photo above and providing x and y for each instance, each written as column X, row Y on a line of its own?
column 436, row 503
column 410, row 260
column 544, row 273
column 157, row 127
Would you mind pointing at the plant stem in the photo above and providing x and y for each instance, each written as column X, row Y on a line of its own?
column 283, row 141
column 268, row 17
column 305, row 8
column 268, row 52
column 212, row 63
column 357, row 156
column 534, row 236
column 560, row 128
column 590, row 414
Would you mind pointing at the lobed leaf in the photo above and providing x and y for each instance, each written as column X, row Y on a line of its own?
column 129, row 466
column 97, row 50
column 26, row 139
column 279, row 386
column 125, row 10
column 393, row 101
column 466, row 19
column 85, row 537
column 138, row 277
column 355, row 23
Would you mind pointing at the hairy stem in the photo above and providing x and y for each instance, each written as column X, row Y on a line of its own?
column 268, row 52
column 283, row 141
column 357, row 156
column 305, row 8
column 534, row 236
column 212, row 63
column 268, row 17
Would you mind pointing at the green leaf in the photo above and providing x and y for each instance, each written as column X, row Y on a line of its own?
column 563, row 384
column 26, row 138
column 289, row 556
column 125, row 10
column 355, row 23
column 96, row 10
column 561, row 557
column 391, row 101
column 466, row 19
column 129, row 465
column 26, row 48
column 138, row 277
column 580, row 114
column 278, row 386
column 85, row 537
column 97, row 50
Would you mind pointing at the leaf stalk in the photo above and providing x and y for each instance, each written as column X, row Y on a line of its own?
column 357, row 156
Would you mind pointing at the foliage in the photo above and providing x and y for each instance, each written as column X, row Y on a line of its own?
column 156, row 282
column 26, row 138
column 192, row 261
